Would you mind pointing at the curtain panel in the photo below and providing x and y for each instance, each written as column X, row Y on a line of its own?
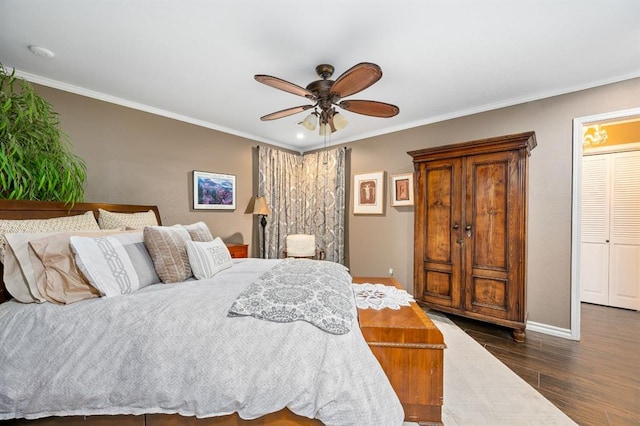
column 306, row 195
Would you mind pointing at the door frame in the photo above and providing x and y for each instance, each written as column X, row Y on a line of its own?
column 576, row 214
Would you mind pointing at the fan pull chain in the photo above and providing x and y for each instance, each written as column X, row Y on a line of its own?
column 326, row 183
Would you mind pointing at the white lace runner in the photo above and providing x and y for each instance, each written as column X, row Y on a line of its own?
column 380, row 296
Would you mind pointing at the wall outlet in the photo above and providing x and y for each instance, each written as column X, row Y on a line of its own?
column 390, row 272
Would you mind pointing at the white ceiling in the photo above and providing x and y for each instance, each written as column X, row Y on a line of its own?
column 195, row 59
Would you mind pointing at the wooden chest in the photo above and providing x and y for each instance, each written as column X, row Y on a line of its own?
column 410, row 349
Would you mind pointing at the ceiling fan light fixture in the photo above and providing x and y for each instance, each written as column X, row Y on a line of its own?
column 339, row 121
column 310, row 121
column 326, row 93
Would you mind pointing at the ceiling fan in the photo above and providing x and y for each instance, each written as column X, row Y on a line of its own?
column 326, row 93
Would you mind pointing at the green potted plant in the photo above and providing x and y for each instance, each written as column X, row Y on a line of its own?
column 36, row 161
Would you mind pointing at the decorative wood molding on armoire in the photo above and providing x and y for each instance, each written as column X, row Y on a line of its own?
column 470, row 229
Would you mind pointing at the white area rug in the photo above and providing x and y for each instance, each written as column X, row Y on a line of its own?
column 480, row 390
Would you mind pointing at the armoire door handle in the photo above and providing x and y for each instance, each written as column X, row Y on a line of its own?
column 468, row 229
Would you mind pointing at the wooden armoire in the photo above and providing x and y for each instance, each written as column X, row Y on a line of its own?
column 470, row 229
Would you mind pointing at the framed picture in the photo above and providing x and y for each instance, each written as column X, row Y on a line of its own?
column 368, row 193
column 213, row 191
column 402, row 190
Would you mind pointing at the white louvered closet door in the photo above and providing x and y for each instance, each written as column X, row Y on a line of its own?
column 624, row 275
column 594, row 247
column 610, row 246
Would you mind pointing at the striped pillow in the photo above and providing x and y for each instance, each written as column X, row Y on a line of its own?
column 167, row 247
column 208, row 258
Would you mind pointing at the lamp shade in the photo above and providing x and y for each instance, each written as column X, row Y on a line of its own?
column 260, row 206
column 311, row 121
column 339, row 122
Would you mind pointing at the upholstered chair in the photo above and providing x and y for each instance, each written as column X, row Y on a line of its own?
column 302, row 246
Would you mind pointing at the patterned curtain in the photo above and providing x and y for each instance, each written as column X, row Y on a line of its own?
column 306, row 195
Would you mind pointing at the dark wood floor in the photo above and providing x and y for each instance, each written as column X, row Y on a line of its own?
column 595, row 381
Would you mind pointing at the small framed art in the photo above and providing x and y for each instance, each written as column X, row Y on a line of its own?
column 402, row 190
column 213, row 191
column 368, row 193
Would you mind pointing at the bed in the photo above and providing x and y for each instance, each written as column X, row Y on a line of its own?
column 166, row 354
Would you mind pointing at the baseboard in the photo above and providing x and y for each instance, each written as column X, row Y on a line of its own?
column 551, row 330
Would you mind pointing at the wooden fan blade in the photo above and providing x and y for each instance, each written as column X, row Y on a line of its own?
column 285, row 112
column 356, row 79
column 372, row 108
column 281, row 84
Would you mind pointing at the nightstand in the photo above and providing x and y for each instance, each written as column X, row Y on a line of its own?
column 238, row 251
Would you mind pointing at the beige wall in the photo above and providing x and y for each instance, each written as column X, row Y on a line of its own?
column 135, row 157
column 377, row 243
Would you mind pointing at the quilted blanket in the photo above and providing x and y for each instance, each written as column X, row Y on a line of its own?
column 301, row 290
column 171, row 348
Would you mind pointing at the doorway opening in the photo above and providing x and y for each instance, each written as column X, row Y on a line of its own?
column 587, row 130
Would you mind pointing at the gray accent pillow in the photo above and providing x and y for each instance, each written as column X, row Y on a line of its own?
column 141, row 259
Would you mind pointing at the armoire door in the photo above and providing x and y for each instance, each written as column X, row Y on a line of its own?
column 493, row 225
column 438, row 239
column 470, row 229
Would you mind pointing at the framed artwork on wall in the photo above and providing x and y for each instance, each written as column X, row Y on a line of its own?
column 213, row 191
column 402, row 190
column 368, row 193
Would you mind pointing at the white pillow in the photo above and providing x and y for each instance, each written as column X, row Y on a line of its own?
column 208, row 258
column 106, row 264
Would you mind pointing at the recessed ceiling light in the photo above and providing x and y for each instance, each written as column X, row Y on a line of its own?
column 300, row 135
column 41, row 51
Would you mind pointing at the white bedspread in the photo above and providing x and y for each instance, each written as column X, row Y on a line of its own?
column 170, row 348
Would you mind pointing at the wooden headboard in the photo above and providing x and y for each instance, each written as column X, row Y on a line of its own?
column 23, row 209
